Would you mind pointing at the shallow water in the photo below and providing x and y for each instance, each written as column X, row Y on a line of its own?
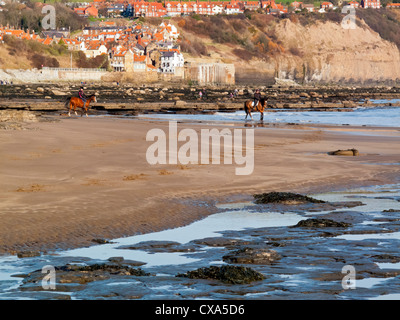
column 208, row 227
column 309, row 259
column 371, row 116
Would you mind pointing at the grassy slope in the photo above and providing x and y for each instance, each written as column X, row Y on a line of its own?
column 22, row 60
column 256, row 34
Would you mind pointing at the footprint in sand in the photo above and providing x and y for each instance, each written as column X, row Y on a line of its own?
column 133, row 177
column 164, row 172
column 33, row 188
column 93, row 182
column 183, row 167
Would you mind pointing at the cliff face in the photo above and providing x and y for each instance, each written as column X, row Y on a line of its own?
column 326, row 52
column 318, row 52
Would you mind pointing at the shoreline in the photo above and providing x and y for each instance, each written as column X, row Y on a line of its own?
column 57, row 199
column 53, row 248
column 133, row 99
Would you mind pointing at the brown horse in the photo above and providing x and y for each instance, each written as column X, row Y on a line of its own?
column 75, row 102
column 248, row 107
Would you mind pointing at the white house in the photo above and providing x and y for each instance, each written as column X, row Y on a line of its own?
column 232, row 9
column 169, row 31
column 74, row 44
column 326, row 5
column 217, row 9
column 170, row 60
column 95, row 49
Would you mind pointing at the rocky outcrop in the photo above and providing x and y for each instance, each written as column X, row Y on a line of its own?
column 348, row 152
column 16, row 119
column 130, row 100
column 284, row 198
column 79, row 274
column 321, row 223
column 160, row 246
column 227, row 274
column 252, row 256
column 17, row 116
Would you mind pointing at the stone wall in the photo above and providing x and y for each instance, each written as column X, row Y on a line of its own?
column 51, row 74
column 74, row 74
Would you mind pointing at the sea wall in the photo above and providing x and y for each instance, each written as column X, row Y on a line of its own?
column 196, row 72
column 51, row 74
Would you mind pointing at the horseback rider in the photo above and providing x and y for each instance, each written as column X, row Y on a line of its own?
column 82, row 95
column 257, row 97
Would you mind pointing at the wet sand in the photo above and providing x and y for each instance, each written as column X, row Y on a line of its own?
column 67, row 182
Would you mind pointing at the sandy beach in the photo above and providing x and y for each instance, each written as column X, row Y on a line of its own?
column 66, row 182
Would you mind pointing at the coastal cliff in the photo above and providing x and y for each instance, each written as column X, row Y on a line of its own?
column 309, row 49
column 330, row 53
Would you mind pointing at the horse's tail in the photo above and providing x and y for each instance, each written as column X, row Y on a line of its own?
column 67, row 102
column 246, row 108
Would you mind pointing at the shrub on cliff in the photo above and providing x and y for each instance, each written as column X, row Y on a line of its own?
column 250, row 37
column 38, row 61
column 243, row 54
column 193, row 46
column 100, row 61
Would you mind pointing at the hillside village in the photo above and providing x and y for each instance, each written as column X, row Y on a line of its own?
column 137, row 47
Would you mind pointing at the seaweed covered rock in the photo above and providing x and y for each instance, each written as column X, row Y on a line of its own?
column 219, row 241
column 321, row 223
column 106, row 268
column 28, row 254
column 252, row 256
column 284, row 198
column 78, row 274
column 348, row 152
column 227, row 274
column 160, row 246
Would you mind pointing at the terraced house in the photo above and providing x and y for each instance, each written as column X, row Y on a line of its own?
column 121, row 60
column 374, row 4
column 87, row 11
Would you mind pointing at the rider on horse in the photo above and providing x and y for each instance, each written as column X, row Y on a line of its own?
column 257, row 97
column 82, row 95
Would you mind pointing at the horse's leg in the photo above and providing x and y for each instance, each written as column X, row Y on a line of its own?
column 84, row 110
column 260, row 109
column 245, row 110
column 69, row 111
